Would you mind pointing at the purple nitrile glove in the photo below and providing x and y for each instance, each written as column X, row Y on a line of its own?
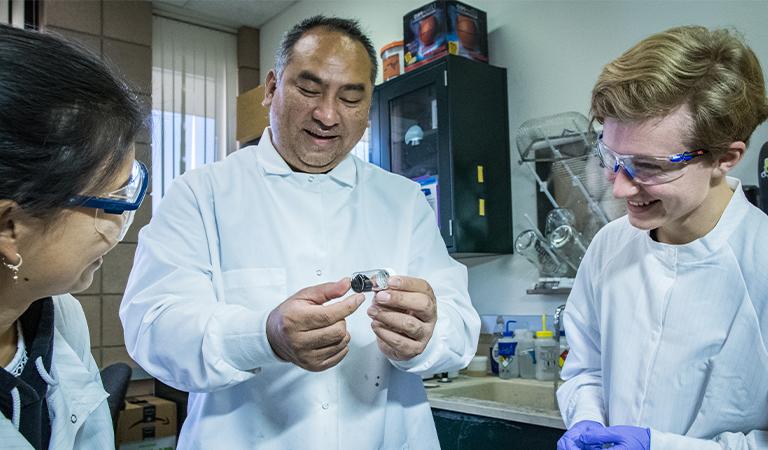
column 617, row 437
column 570, row 440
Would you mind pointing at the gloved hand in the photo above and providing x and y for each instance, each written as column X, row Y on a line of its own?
column 617, row 438
column 570, row 440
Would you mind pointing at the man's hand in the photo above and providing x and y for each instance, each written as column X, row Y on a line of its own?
column 404, row 317
column 309, row 334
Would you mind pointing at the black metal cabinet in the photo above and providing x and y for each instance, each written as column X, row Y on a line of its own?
column 446, row 126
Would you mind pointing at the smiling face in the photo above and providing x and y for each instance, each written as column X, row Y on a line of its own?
column 319, row 106
column 684, row 209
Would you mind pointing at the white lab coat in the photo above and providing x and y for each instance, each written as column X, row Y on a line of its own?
column 230, row 242
column 76, row 398
column 673, row 337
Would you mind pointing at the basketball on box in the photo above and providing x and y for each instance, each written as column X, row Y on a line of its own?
column 444, row 27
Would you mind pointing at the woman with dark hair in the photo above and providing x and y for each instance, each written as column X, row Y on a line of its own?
column 69, row 186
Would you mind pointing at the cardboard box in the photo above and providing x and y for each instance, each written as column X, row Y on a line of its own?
column 163, row 443
column 252, row 116
column 147, row 422
column 442, row 27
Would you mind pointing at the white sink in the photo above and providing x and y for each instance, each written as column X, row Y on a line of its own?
column 528, row 401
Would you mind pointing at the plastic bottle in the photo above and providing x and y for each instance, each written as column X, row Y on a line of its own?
column 547, row 352
column 564, row 349
column 498, row 332
column 526, row 353
column 506, row 354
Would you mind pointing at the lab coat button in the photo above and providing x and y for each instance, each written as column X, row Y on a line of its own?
column 73, row 418
column 324, row 405
column 311, row 179
column 318, row 272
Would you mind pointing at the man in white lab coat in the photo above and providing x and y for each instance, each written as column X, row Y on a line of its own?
column 668, row 317
column 233, row 295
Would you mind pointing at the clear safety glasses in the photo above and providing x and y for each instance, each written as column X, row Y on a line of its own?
column 647, row 170
column 114, row 211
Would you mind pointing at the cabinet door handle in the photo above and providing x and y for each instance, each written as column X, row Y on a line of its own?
column 450, row 227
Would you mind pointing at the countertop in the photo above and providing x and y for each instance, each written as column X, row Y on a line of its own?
column 517, row 400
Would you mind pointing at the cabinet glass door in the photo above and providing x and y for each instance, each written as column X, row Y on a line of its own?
column 413, row 138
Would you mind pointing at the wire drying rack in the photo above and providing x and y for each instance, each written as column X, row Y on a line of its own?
column 558, row 151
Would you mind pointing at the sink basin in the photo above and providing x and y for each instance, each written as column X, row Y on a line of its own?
column 516, row 400
column 518, row 393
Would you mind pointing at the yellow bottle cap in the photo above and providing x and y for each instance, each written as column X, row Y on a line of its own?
column 544, row 333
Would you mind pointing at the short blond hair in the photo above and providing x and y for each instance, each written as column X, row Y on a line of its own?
column 714, row 72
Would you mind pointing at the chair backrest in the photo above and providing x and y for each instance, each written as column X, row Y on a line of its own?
column 115, row 378
column 762, row 177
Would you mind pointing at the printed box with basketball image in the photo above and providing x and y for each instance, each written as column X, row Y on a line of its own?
column 444, row 27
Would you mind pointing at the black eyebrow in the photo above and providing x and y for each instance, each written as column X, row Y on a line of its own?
column 311, row 77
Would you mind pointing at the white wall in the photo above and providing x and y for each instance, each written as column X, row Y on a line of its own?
column 553, row 52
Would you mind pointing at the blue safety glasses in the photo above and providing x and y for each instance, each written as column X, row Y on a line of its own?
column 644, row 169
column 114, row 210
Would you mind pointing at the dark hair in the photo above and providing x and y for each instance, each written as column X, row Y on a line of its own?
column 348, row 27
column 67, row 121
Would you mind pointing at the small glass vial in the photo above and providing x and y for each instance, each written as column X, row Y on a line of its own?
column 371, row 280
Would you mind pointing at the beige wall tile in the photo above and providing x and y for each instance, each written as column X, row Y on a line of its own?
column 96, row 352
column 92, row 309
column 112, row 329
column 110, row 355
column 144, row 135
column 248, row 47
column 128, row 21
column 143, row 214
column 89, row 41
column 144, row 154
column 133, row 60
column 77, row 15
column 116, row 268
column 247, row 79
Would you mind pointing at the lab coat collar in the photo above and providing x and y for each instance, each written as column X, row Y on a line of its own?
column 708, row 244
column 274, row 164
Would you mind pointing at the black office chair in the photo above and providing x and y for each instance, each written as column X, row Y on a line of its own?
column 762, row 177
column 115, row 378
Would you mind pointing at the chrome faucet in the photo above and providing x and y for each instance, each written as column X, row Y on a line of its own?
column 557, row 323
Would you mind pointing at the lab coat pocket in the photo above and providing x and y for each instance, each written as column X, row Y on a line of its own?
column 255, row 288
column 736, row 394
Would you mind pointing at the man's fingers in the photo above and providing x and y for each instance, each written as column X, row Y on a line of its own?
column 322, row 354
column 324, row 292
column 323, row 337
column 321, row 317
column 410, row 284
column 404, row 346
column 418, row 304
column 399, row 322
column 335, row 359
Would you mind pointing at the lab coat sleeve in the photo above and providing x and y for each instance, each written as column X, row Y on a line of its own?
column 175, row 325
column 454, row 339
column 755, row 440
column 581, row 396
